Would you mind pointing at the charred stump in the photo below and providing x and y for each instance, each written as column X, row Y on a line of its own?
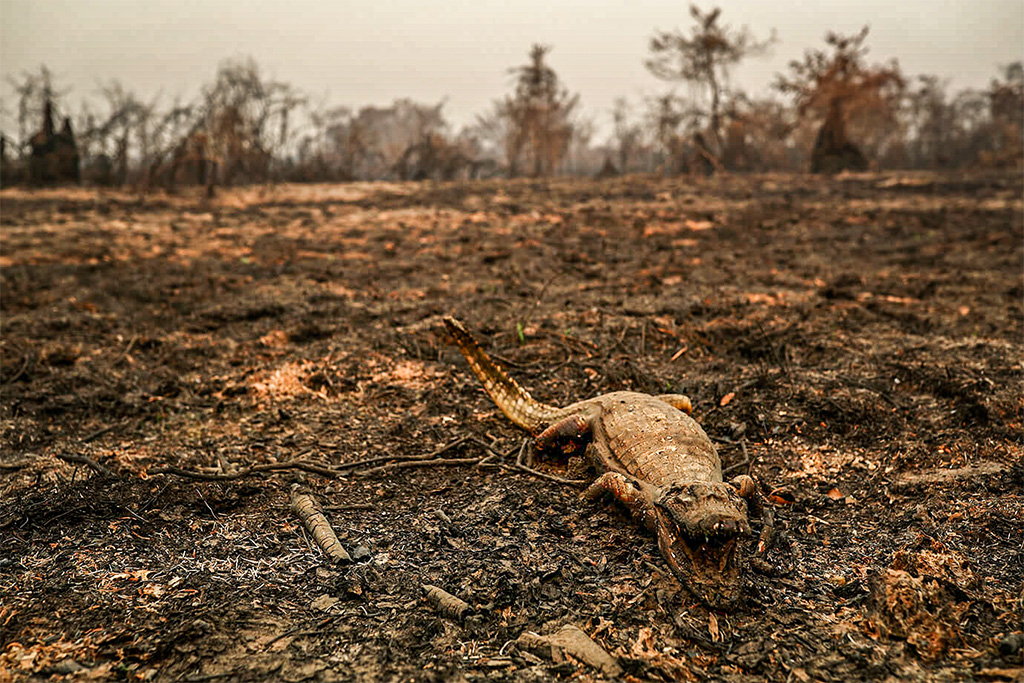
column 6, row 168
column 608, row 170
column 54, row 156
column 833, row 152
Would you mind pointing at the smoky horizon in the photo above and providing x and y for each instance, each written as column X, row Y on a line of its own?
column 460, row 53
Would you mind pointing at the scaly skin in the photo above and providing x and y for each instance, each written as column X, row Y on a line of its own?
column 653, row 457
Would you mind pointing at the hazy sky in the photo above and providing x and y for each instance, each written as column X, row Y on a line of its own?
column 358, row 53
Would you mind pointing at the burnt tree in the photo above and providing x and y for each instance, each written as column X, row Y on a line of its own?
column 703, row 57
column 539, row 117
column 838, row 86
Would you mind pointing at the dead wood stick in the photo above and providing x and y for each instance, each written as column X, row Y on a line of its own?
column 522, row 467
column 16, row 465
column 406, row 458
column 394, row 462
column 735, row 466
column 446, row 603
column 764, row 543
column 407, row 464
column 884, row 395
column 712, row 159
column 348, row 508
column 246, row 471
column 88, row 462
column 316, row 523
column 205, row 476
column 21, row 370
column 573, row 640
column 298, row 632
column 98, row 433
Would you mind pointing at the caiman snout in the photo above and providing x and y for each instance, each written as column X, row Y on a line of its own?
column 717, row 524
column 699, row 527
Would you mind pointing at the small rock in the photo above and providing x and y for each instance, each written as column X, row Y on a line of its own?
column 440, row 514
column 66, row 666
column 1011, row 644
column 323, row 602
column 202, row 625
column 360, row 552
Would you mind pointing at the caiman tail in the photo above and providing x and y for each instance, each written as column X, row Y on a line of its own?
column 517, row 404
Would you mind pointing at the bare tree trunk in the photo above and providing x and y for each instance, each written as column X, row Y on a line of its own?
column 716, row 118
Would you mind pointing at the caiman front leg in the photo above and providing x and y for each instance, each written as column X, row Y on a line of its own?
column 637, row 496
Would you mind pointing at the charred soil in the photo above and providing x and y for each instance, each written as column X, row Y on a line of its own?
column 853, row 343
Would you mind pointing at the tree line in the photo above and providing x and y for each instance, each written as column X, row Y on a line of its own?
column 832, row 110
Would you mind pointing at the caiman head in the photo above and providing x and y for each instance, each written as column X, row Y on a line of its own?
column 699, row 526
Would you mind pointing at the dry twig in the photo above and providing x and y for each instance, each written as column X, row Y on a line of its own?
column 88, row 462
column 21, row 370
column 407, row 464
column 394, row 462
column 764, row 543
column 408, row 458
column 16, row 464
column 247, row 471
column 98, row 433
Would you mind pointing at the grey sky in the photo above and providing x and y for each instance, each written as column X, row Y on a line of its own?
column 371, row 52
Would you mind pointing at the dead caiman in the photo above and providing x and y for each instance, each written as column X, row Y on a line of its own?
column 653, row 457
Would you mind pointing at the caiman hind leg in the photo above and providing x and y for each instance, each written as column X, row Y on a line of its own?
column 677, row 401
column 570, row 434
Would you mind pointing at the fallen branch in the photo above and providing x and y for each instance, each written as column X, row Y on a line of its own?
column 940, row 476
column 98, row 433
column 573, row 640
column 446, row 603
column 735, row 466
column 884, row 395
column 395, row 462
column 16, row 465
column 88, row 462
column 408, row 464
column 409, row 458
column 298, row 632
column 247, row 471
column 316, row 523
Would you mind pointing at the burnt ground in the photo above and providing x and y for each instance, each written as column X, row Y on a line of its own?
column 855, row 344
